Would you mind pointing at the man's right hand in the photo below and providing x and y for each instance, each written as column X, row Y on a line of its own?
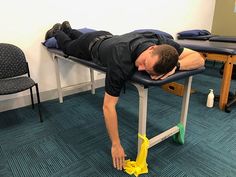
column 118, row 156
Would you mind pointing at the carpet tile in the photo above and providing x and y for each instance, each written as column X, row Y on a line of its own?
column 73, row 142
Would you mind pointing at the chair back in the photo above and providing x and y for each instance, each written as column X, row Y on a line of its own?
column 12, row 61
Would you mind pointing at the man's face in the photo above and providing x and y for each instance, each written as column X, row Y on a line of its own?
column 147, row 65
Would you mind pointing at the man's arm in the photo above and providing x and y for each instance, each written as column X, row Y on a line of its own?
column 110, row 115
column 189, row 59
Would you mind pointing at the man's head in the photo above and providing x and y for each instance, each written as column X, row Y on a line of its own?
column 158, row 60
column 168, row 57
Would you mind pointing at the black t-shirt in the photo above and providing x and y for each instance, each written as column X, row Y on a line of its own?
column 119, row 53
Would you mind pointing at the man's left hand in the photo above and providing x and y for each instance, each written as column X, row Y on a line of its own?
column 169, row 73
column 163, row 76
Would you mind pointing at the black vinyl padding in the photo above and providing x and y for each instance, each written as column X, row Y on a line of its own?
column 138, row 77
column 223, row 39
column 203, row 38
column 227, row 48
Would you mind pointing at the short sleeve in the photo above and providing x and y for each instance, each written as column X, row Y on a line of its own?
column 120, row 67
column 114, row 81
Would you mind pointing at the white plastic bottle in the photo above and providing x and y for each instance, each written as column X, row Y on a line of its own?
column 210, row 99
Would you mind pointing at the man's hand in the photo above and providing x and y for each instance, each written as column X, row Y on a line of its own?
column 118, row 156
column 163, row 76
column 169, row 73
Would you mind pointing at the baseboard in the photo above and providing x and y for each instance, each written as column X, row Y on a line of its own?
column 23, row 101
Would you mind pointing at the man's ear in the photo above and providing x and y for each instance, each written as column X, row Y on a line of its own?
column 151, row 47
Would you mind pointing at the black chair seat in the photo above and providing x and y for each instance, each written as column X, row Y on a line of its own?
column 13, row 85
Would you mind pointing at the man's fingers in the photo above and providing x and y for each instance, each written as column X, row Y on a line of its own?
column 118, row 163
column 168, row 74
column 118, row 157
column 165, row 76
column 114, row 162
column 122, row 161
column 156, row 77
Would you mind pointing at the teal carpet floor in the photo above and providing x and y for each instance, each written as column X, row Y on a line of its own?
column 72, row 141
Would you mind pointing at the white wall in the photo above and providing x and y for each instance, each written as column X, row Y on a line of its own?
column 25, row 22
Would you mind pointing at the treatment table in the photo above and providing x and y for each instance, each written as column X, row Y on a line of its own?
column 142, row 81
column 217, row 49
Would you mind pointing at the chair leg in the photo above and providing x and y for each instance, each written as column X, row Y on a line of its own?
column 32, row 99
column 38, row 98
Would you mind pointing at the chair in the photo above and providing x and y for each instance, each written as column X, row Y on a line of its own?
column 14, row 73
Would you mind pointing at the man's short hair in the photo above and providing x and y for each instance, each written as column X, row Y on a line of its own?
column 168, row 58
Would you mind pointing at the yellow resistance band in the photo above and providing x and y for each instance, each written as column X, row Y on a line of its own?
column 140, row 165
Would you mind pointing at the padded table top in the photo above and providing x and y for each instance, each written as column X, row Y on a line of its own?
column 231, row 39
column 227, row 48
column 203, row 38
column 138, row 77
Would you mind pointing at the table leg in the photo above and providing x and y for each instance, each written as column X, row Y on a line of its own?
column 225, row 83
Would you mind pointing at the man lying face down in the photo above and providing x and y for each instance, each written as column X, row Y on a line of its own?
column 159, row 56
